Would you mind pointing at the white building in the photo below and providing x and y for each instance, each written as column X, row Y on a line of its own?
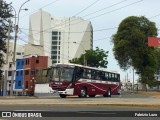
column 10, row 67
column 62, row 39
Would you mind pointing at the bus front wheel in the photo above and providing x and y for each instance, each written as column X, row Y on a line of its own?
column 108, row 94
column 91, row 95
column 83, row 93
column 62, row 95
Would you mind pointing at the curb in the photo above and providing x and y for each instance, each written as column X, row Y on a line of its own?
column 146, row 93
column 84, row 104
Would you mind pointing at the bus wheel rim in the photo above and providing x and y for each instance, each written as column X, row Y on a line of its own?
column 109, row 92
column 83, row 92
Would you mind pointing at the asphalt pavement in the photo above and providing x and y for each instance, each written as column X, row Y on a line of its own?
column 126, row 99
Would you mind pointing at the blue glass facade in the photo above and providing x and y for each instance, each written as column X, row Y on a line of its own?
column 19, row 78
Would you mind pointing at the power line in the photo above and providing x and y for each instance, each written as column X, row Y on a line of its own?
column 155, row 16
column 116, row 9
column 69, row 42
column 94, row 17
column 110, row 11
column 86, row 7
column 98, row 30
column 63, row 55
column 74, row 19
column 40, row 8
column 104, row 8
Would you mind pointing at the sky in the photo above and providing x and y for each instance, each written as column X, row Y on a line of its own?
column 105, row 16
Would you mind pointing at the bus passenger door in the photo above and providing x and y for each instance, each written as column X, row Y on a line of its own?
column 77, row 80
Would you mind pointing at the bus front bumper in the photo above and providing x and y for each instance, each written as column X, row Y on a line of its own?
column 67, row 91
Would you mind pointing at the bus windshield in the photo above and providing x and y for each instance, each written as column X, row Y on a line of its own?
column 66, row 74
column 61, row 74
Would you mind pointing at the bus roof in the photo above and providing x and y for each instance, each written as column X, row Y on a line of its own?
column 94, row 68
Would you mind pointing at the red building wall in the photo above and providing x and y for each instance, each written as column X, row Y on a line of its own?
column 30, row 64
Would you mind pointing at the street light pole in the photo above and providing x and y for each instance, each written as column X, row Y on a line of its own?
column 133, row 79
column 84, row 60
column 15, row 14
column 16, row 31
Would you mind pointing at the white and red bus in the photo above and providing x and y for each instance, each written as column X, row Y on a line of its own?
column 72, row 79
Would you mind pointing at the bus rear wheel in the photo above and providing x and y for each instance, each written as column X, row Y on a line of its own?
column 62, row 95
column 108, row 94
column 83, row 93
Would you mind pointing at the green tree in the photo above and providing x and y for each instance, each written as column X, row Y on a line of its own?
column 131, row 48
column 94, row 58
column 5, row 14
column 157, row 54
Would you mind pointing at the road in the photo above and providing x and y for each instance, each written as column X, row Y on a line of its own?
column 85, row 108
column 124, row 94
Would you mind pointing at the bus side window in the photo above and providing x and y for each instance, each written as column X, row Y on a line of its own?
column 110, row 77
column 98, row 75
column 88, row 74
column 84, row 75
column 79, row 73
column 113, row 79
column 116, row 78
column 102, row 76
column 106, row 76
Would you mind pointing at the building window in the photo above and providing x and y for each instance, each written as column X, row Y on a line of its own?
column 53, row 57
column 18, row 53
column 54, row 38
column 54, row 61
column 17, row 73
column 54, row 33
column 32, row 72
column 26, row 72
column 26, row 61
column 59, row 38
column 37, row 61
column 54, row 47
column 26, row 85
column 22, row 62
column 54, row 52
column 9, row 73
column 54, row 42
column 17, row 63
column 21, row 72
column 19, row 83
column 59, row 33
column 10, row 65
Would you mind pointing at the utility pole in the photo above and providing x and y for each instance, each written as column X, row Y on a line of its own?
column 133, row 79
column 84, row 59
column 2, row 79
column 9, row 31
column 68, row 38
column 15, row 42
column 16, row 31
column 12, row 81
column 5, row 84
